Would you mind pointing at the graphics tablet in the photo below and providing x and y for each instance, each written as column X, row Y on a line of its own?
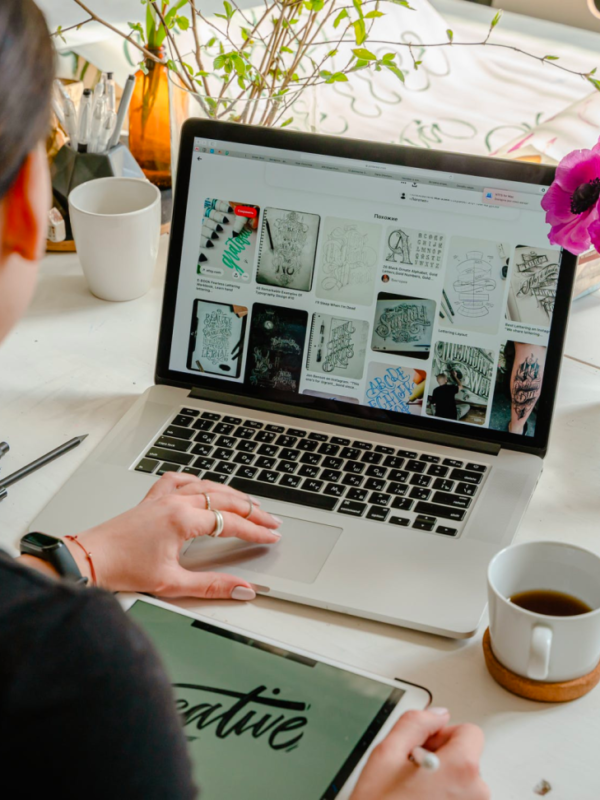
column 265, row 721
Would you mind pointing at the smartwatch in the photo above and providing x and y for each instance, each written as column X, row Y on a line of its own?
column 55, row 552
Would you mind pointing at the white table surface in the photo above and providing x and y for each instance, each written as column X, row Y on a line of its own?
column 76, row 364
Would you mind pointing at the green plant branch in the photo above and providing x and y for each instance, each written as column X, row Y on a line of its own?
column 95, row 18
column 60, row 31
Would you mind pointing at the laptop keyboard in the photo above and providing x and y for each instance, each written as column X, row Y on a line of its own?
column 332, row 473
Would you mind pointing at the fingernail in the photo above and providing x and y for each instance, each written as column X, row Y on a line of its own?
column 438, row 710
column 255, row 500
column 274, row 533
column 243, row 593
column 277, row 520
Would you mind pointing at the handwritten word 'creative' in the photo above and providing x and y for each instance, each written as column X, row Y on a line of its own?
column 244, row 715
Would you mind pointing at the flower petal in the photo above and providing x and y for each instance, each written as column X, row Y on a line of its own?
column 574, row 236
column 580, row 166
column 594, row 231
column 557, row 205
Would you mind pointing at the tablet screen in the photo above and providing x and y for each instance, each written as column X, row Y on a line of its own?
column 262, row 722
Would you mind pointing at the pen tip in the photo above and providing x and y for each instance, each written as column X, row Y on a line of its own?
column 81, row 438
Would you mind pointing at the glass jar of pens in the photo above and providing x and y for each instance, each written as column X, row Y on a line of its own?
column 92, row 149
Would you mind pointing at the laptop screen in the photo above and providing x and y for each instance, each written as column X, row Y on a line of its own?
column 380, row 290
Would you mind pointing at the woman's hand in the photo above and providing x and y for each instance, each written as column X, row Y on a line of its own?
column 389, row 775
column 139, row 550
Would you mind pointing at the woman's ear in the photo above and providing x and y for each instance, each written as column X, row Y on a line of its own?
column 25, row 209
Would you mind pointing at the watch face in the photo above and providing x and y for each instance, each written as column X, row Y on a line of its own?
column 41, row 541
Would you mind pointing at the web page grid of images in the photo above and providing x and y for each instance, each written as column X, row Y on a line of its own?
column 393, row 317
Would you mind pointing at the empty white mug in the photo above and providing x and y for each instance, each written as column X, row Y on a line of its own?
column 116, row 227
column 538, row 646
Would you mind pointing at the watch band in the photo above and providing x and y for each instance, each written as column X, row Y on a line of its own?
column 54, row 552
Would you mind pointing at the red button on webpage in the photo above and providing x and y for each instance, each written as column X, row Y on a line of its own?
column 246, row 211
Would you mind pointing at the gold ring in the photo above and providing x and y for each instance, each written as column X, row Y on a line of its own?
column 208, row 505
column 249, row 514
column 219, row 524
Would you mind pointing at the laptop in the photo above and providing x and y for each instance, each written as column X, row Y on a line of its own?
column 369, row 338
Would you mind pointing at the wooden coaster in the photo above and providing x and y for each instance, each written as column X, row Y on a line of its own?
column 537, row 690
column 60, row 247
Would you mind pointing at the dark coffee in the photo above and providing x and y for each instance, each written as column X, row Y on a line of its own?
column 553, row 604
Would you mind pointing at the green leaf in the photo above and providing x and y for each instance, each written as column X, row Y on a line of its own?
column 358, row 6
column 245, row 34
column 450, row 35
column 183, row 23
column 593, row 71
column 218, row 62
column 240, row 66
column 374, row 14
column 286, row 50
column 229, row 9
column 360, row 32
column 339, row 77
column 331, row 54
column 287, row 122
column 221, row 16
column 188, row 68
column 211, row 42
column 389, row 57
column 595, row 83
column 241, row 82
column 325, row 73
column 551, row 58
column 143, row 67
column 359, row 65
column 362, row 53
column 396, row 71
column 342, row 15
column 171, row 65
column 404, row 3
column 496, row 19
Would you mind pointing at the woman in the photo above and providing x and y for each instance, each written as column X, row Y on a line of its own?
column 85, row 707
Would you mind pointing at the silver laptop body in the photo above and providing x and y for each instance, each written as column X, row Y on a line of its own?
column 292, row 354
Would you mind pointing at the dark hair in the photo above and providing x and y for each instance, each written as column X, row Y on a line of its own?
column 26, row 75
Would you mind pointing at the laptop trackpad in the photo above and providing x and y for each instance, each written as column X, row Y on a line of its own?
column 299, row 556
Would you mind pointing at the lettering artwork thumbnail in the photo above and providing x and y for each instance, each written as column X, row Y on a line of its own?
column 533, row 283
column 348, row 261
column 403, row 325
column 460, row 384
column 217, row 338
column 228, row 240
column 413, row 248
column 276, row 348
column 288, row 246
column 394, row 387
column 475, row 282
column 518, row 387
column 337, row 346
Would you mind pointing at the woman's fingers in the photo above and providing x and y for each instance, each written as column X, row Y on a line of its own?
column 209, row 586
column 240, row 528
column 466, row 741
column 413, row 729
column 236, row 503
column 182, row 483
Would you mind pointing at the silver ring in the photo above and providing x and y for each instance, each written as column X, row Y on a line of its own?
column 207, row 498
column 219, row 524
column 249, row 514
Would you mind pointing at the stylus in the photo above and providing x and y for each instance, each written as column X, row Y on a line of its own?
column 40, row 462
column 424, row 758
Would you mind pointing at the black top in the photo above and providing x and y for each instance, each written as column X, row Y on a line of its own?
column 86, row 709
column 444, row 399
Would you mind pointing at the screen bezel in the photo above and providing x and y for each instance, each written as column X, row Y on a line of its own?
column 414, row 696
column 359, row 416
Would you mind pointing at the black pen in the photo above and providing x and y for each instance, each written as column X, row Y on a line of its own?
column 4, row 448
column 269, row 232
column 40, row 462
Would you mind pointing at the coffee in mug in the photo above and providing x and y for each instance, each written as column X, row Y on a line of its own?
column 544, row 606
column 550, row 603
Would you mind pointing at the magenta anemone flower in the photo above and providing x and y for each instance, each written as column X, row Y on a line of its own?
column 571, row 203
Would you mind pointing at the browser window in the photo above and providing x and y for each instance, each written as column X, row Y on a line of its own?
column 416, row 292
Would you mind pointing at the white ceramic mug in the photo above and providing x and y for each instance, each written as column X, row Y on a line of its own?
column 116, row 226
column 538, row 646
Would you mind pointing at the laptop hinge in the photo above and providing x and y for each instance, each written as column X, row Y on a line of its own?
column 433, row 437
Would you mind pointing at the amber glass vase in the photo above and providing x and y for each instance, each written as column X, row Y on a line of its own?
column 149, row 123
